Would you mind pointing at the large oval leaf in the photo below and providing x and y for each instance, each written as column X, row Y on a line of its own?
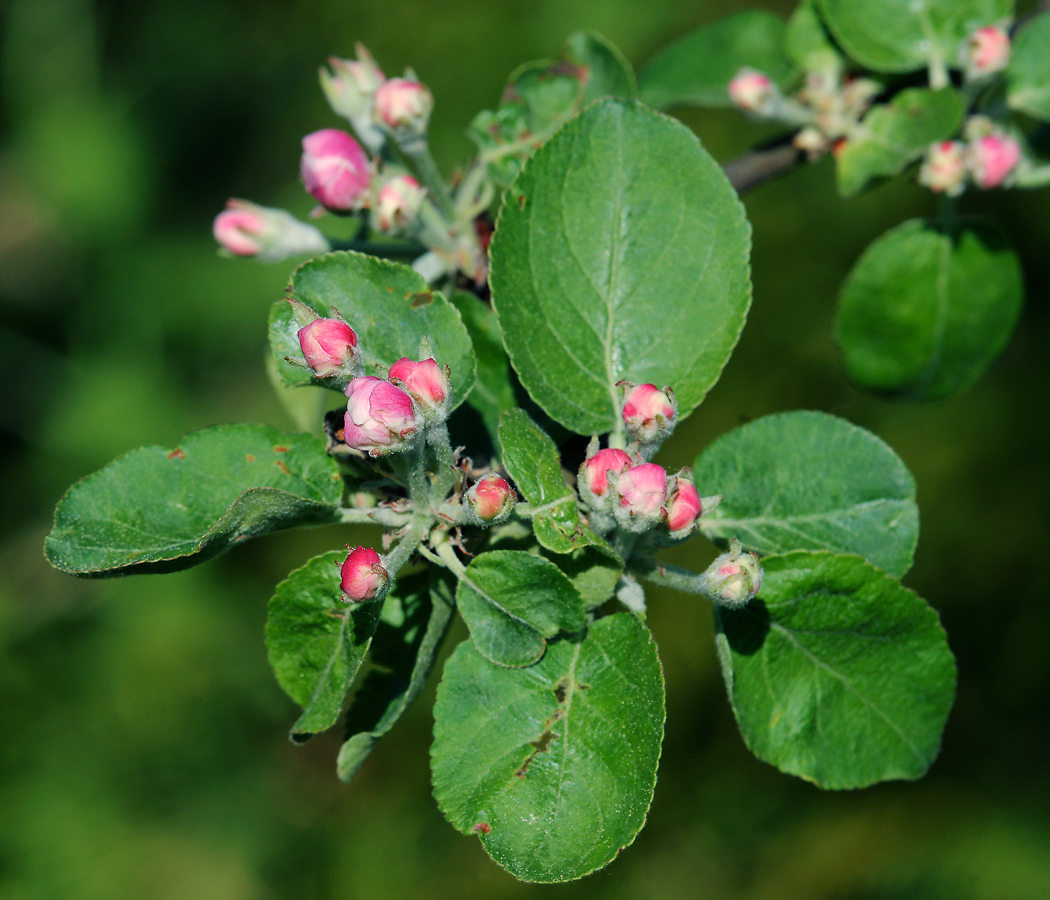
column 317, row 642
column 389, row 306
column 621, row 252
column 836, row 672
column 810, row 481
column 1028, row 75
column 513, row 601
column 925, row 311
column 158, row 509
column 697, row 68
column 552, row 767
column 903, row 35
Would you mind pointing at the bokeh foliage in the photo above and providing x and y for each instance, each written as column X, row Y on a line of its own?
column 146, row 751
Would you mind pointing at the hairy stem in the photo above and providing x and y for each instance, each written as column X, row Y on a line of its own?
column 419, row 153
column 408, row 544
column 763, row 164
column 667, row 575
column 378, row 515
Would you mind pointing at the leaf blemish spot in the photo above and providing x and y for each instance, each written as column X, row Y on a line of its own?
column 422, row 298
column 482, row 828
column 280, row 465
column 250, row 458
column 279, row 449
column 521, row 201
column 561, row 688
column 177, row 454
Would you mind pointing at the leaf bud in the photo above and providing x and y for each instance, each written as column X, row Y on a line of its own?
column 992, row 158
column 335, row 169
column 985, row 52
column 490, row 499
column 734, row 578
column 397, row 203
column 247, row 229
column 379, row 416
column 642, row 492
column 428, row 384
column 363, row 575
column 328, row 345
column 754, row 92
column 649, row 413
column 403, row 105
column 944, row 168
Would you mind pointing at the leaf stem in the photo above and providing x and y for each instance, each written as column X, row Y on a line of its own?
column 446, row 556
column 409, row 543
column 418, row 151
column 667, row 575
column 379, row 515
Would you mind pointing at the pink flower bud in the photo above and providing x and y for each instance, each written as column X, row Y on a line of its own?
column 986, row 51
column 734, row 578
column 401, row 103
column 594, row 473
column 752, row 91
column 248, row 229
column 379, row 416
column 648, row 412
column 328, row 344
column 992, row 158
column 944, row 169
column 335, row 169
column 642, row 490
column 424, row 380
column 363, row 575
column 398, row 203
column 350, row 87
column 491, row 498
column 683, row 508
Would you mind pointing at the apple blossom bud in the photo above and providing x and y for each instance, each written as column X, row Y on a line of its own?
column 812, row 140
column 427, row 382
column 379, row 416
column 350, row 87
column 593, row 478
column 490, row 499
column 642, row 492
column 397, row 203
column 992, row 158
column 649, row 413
column 683, row 508
column 403, row 104
column 753, row 91
column 944, row 169
column 363, row 575
column 734, row 578
column 335, row 169
column 248, row 229
column 328, row 345
column 985, row 52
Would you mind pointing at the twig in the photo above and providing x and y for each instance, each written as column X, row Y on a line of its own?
column 763, row 164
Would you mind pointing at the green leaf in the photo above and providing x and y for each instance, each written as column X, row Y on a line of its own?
column 415, row 618
column 621, row 253
column 925, row 311
column 608, row 73
column 552, row 767
column 904, row 35
column 512, row 601
column 896, row 133
column 317, row 642
column 389, row 306
column 808, row 43
column 837, row 673
column 810, row 481
column 493, row 392
column 1028, row 75
column 532, row 460
column 697, row 69
column 159, row 510
column 593, row 570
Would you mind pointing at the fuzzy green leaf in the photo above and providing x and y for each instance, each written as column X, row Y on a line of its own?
column 1028, row 75
column 807, row 41
column 837, row 673
column 552, row 767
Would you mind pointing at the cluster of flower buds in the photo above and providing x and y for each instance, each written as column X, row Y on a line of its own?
column 489, row 501
column 734, row 578
column 247, row 229
column 989, row 158
column 363, row 575
column 985, row 52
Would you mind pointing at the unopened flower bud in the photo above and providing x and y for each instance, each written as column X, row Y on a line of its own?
column 734, row 578
column 642, row 491
column 812, row 140
column 379, row 416
column 944, row 169
column 363, row 575
column 248, row 229
column 649, row 413
column 403, row 104
column 491, row 499
column 985, row 52
column 397, row 203
column 593, row 480
column 753, row 91
column 427, row 382
column 328, row 345
column 992, row 158
column 350, row 87
column 335, row 169
column 683, row 508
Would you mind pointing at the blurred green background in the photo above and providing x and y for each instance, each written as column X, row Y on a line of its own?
column 144, row 749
